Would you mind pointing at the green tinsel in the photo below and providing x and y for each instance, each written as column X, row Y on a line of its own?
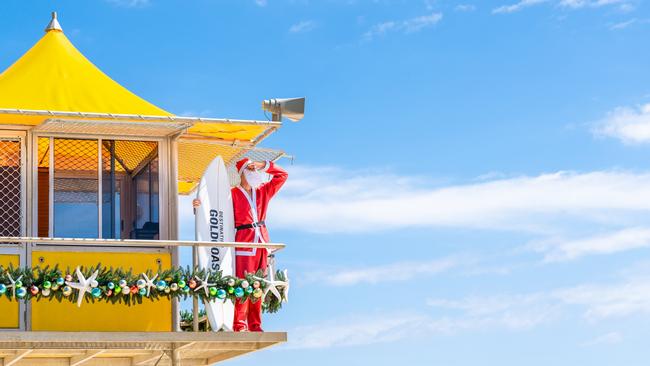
column 37, row 276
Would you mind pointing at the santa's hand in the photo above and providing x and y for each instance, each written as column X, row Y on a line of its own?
column 256, row 165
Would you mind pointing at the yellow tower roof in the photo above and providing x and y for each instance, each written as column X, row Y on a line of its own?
column 53, row 75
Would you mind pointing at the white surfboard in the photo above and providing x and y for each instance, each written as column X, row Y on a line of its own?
column 215, row 222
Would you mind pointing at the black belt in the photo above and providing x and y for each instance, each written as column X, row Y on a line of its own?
column 250, row 226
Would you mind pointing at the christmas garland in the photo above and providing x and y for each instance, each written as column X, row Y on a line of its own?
column 119, row 286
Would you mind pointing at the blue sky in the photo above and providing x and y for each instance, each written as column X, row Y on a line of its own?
column 470, row 183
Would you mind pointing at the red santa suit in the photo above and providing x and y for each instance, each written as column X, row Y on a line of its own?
column 252, row 229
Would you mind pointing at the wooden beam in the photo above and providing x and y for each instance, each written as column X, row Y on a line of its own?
column 145, row 359
column 12, row 360
column 83, row 358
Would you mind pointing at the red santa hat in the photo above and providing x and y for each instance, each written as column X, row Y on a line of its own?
column 240, row 165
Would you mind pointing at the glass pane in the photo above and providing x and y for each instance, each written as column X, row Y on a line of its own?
column 10, row 187
column 76, row 209
column 43, row 187
column 129, row 189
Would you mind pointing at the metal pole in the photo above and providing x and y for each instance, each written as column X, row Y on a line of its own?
column 195, row 263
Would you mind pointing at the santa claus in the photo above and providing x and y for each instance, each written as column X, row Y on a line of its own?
column 250, row 202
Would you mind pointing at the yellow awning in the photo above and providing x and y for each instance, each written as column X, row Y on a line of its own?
column 54, row 76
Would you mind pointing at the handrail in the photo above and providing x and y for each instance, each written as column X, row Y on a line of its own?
column 137, row 243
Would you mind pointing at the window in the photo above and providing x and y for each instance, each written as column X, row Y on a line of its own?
column 115, row 194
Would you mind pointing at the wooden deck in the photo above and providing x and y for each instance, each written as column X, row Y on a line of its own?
column 129, row 348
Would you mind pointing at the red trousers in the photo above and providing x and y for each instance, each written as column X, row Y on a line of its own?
column 248, row 315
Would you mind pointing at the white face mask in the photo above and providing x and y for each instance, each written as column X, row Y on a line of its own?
column 254, row 178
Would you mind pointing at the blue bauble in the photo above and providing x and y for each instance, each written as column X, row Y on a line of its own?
column 186, row 289
column 21, row 292
column 161, row 285
column 221, row 293
column 96, row 292
column 3, row 288
column 142, row 291
column 239, row 292
column 110, row 285
column 249, row 289
column 60, row 281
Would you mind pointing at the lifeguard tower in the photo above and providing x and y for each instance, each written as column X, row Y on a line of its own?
column 90, row 173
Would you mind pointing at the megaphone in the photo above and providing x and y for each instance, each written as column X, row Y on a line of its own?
column 292, row 108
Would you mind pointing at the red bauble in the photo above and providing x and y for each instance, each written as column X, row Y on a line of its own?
column 134, row 290
column 33, row 290
column 192, row 284
column 109, row 293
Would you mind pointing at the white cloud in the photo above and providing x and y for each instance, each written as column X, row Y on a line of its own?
column 334, row 201
column 609, row 301
column 511, row 312
column 412, row 25
column 465, row 7
column 400, row 271
column 577, row 4
column 261, row 3
column 623, row 5
column 622, row 240
column 630, row 125
column 622, row 25
column 356, row 331
column 302, row 27
column 609, row 338
column 512, row 8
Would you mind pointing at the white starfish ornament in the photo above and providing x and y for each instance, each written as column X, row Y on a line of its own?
column 204, row 284
column 84, row 285
column 149, row 282
column 12, row 286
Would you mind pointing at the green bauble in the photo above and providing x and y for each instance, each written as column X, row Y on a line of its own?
column 96, row 292
column 231, row 289
column 47, row 284
column 117, row 290
column 18, row 284
column 181, row 283
column 213, row 291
